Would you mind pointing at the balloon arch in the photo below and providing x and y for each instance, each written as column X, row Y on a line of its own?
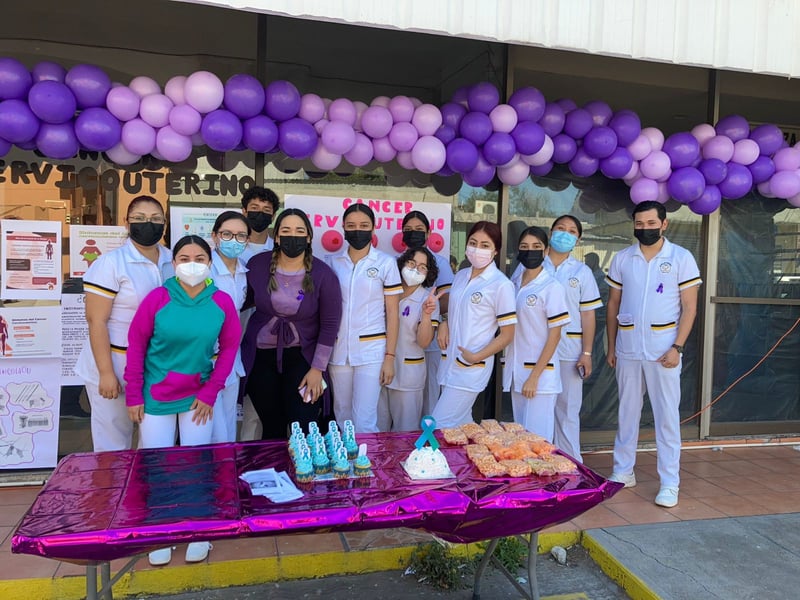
column 471, row 138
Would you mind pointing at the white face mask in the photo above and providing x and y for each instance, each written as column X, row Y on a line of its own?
column 412, row 277
column 479, row 257
column 192, row 273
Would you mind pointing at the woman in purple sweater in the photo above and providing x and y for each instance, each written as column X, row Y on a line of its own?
column 290, row 337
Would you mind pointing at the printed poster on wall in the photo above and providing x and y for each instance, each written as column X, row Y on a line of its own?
column 30, row 331
column 87, row 243
column 192, row 220
column 325, row 214
column 74, row 335
column 31, row 265
column 29, row 413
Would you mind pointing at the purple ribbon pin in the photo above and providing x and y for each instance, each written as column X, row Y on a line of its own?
column 406, row 311
column 660, row 288
column 300, row 295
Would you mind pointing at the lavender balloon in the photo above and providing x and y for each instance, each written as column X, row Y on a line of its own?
column 97, row 129
column 52, row 102
column 145, row 86
column 428, row 155
column 427, row 119
column 503, row 118
column 703, row 132
column 154, row 110
column 173, row 146
column 18, row 124
column 483, row 97
column 786, row 159
column 244, row 96
column 719, row 147
column 90, row 84
column 643, row 190
column 138, row 137
column 222, row 130
column 204, row 92
column 537, row 159
column 377, row 122
column 745, row 152
column 627, row 125
column 282, row 102
column 325, row 160
column 655, row 165
column 476, row 127
column 119, row 155
column 123, row 103
column 297, row 138
column 342, row 110
column 338, row 137
column 382, row 149
column 312, row 108
column 260, row 134
column 785, row 184
column 529, row 103
column 48, row 71
column 553, row 119
column 362, row 151
column 578, row 123
column 405, row 161
column 15, row 80
column 528, row 137
column 682, row 148
column 735, row 127
column 175, row 89
column 640, row 147
column 403, row 136
column 185, row 120
column 515, row 174
column 57, row 140
column 402, row 109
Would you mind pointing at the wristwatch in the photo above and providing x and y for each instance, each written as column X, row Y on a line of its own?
column 678, row 348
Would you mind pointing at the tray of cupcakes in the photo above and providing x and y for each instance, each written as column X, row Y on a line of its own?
column 318, row 457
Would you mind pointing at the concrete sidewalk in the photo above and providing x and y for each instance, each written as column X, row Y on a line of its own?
column 744, row 558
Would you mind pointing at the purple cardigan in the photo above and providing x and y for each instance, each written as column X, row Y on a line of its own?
column 317, row 318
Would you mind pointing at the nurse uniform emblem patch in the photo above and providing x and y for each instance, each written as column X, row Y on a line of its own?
column 476, row 298
column 573, row 282
column 372, row 273
column 665, row 267
column 531, row 300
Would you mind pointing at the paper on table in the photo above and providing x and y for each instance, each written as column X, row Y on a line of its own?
column 275, row 485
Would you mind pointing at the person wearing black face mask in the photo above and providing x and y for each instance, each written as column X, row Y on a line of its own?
column 259, row 206
column 532, row 367
column 115, row 285
column 652, row 304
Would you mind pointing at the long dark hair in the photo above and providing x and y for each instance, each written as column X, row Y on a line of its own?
column 308, row 259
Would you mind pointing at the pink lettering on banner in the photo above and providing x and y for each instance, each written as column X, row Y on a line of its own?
column 397, row 207
column 324, row 221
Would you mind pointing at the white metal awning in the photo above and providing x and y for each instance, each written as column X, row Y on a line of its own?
column 744, row 35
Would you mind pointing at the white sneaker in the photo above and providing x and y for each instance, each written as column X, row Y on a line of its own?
column 667, row 497
column 628, row 480
column 197, row 551
column 161, row 557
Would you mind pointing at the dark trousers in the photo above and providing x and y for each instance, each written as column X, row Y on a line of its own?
column 275, row 396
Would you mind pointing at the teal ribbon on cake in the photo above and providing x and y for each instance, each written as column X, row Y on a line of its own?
column 428, row 424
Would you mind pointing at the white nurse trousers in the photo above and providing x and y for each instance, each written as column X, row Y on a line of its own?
column 405, row 408
column 224, row 419
column 664, row 388
column 568, row 410
column 432, row 388
column 158, row 431
column 454, row 407
column 112, row 428
column 355, row 395
column 536, row 414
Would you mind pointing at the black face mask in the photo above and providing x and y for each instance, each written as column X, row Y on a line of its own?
column 647, row 237
column 292, row 245
column 258, row 220
column 531, row 259
column 358, row 238
column 414, row 239
column 146, row 234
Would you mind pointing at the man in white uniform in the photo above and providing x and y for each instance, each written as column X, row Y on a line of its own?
column 652, row 304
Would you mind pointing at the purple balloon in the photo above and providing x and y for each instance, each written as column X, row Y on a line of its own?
column 483, row 97
column 360, row 107
column 600, row 142
column 737, row 183
column 244, row 96
column 184, row 119
column 452, row 114
column 344, row 110
column 173, row 146
column 482, row 174
column 543, row 169
column 97, row 129
column 312, row 108
column 476, row 127
column 18, row 124
column 499, row 148
column 462, row 155
column 583, row 164
column 617, row 165
column 708, row 202
column 403, row 136
column 405, row 161
column 713, row 170
column 735, row 127
column 785, row 184
column 564, row 148
column 627, row 125
column 686, row 184
column 567, row 104
column 552, row 121
column 460, row 95
column 644, row 189
column 57, row 140
column 382, row 149
column 786, row 159
column 578, row 123
column 123, row 103
column 529, row 104
column 297, row 138
column 52, row 102
column 15, row 80
column 377, row 122
column 90, row 84
column 528, row 136
column 48, row 71
column 154, row 110
column 5, row 147
column 138, row 137
column 768, row 137
column 29, row 145
column 282, row 102
column 446, row 134
column 260, row 134
column 222, row 130
column 600, row 111
column 682, row 149
column 402, row 109
column 362, row 151
column 338, row 137
column 762, row 169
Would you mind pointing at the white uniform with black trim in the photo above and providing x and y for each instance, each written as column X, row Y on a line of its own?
column 235, row 285
column 124, row 276
column 433, row 354
column 650, row 309
column 360, row 347
column 478, row 306
column 252, row 249
column 541, row 305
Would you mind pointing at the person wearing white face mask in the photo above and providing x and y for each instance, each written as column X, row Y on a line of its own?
column 482, row 300
column 419, row 317
column 230, row 236
column 172, row 379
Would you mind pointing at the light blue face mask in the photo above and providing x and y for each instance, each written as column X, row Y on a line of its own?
column 231, row 248
column 562, row 241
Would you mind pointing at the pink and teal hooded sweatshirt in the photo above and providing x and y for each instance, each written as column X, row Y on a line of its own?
column 172, row 342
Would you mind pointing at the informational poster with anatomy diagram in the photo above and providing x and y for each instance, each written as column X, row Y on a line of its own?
column 87, row 243
column 31, row 260
column 74, row 335
column 30, row 331
column 29, row 413
column 193, row 220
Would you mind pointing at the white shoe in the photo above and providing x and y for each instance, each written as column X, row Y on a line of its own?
column 628, row 480
column 161, row 557
column 197, row 551
column 667, row 497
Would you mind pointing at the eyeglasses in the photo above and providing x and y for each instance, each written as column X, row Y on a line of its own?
column 156, row 219
column 421, row 267
column 229, row 235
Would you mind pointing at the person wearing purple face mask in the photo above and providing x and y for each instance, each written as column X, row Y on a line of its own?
column 482, row 300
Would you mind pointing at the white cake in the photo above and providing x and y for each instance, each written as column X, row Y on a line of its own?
column 427, row 463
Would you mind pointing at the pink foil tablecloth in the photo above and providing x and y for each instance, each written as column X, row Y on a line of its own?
column 102, row 506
